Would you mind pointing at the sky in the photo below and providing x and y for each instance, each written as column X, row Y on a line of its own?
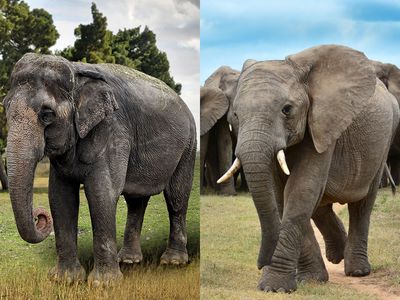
column 235, row 30
column 175, row 23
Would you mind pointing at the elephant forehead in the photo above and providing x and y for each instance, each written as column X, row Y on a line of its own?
column 270, row 82
column 51, row 74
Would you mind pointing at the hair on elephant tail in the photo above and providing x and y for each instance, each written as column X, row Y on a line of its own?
column 392, row 184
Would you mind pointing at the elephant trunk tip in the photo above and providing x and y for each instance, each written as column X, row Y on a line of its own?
column 43, row 225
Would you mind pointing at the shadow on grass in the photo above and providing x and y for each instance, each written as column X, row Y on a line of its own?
column 152, row 251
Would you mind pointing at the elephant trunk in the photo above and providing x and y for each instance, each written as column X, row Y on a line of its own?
column 260, row 167
column 23, row 154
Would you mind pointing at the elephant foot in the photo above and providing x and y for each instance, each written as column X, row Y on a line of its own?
column 312, row 276
column 130, row 256
column 106, row 278
column 68, row 274
column 334, row 250
column 277, row 282
column 357, row 267
column 174, row 257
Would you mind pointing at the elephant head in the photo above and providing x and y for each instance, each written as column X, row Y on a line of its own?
column 390, row 75
column 317, row 92
column 223, row 82
column 216, row 99
column 51, row 104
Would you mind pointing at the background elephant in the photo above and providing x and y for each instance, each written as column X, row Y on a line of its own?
column 116, row 131
column 218, row 133
column 389, row 74
column 325, row 108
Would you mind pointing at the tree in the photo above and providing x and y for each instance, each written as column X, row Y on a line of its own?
column 93, row 43
column 141, row 50
column 21, row 31
column 129, row 47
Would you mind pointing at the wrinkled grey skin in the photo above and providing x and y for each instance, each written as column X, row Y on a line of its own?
column 116, row 131
column 217, row 140
column 389, row 74
column 335, row 121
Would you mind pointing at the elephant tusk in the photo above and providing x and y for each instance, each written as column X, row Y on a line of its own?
column 282, row 162
column 232, row 170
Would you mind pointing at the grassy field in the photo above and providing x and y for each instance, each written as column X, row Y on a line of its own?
column 24, row 267
column 230, row 237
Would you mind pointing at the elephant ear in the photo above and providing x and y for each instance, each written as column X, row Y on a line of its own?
column 340, row 81
column 213, row 105
column 94, row 101
column 390, row 75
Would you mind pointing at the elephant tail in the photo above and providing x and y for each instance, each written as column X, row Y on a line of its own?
column 392, row 184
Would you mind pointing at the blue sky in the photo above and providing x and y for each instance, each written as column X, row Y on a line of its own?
column 233, row 31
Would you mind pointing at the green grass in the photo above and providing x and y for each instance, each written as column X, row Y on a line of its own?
column 24, row 266
column 230, row 237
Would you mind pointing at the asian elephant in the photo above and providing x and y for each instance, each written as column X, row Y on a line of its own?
column 389, row 74
column 114, row 130
column 218, row 134
column 314, row 129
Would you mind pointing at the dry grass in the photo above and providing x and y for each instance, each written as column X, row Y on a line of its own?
column 230, row 234
column 139, row 283
column 24, row 267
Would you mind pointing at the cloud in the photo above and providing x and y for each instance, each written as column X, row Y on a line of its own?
column 175, row 23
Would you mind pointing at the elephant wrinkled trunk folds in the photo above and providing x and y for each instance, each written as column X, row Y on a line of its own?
column 34, row 225
column 262, row 177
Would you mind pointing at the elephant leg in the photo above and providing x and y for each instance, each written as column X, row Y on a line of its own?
column 311, row 266
column 64, row 204
column 384, row 180
column 102, row 198
column 224, row 150
column 333, row 232
column 243, row 182
column 203, row 154
column 395, row 170
column 303, row 191
column 177, row 197
column 131, row 251
column 356, row 252
column 212, row 162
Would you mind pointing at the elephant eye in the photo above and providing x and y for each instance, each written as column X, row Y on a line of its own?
column 47, row 116
column 287, row 109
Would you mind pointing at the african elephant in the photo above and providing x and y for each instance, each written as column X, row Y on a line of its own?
column 217, row 138
column 389, row 74
column 112, row 129
column 323, row 117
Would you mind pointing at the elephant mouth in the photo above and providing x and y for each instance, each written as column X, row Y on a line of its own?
column 237, row 164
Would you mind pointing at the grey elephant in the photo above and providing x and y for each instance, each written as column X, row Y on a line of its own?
column 314, row 129
column 218, row 134
column 112, row 129
column 389, row 74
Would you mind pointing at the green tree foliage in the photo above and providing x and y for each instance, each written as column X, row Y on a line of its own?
column 130, row 47
column 93, row 41
column 21, row 30
column 141, row 50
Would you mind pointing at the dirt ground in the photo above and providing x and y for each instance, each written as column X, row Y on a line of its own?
column 374, row 284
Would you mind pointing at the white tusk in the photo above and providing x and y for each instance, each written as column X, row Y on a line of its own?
column 232, row 170
column 282, row 162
